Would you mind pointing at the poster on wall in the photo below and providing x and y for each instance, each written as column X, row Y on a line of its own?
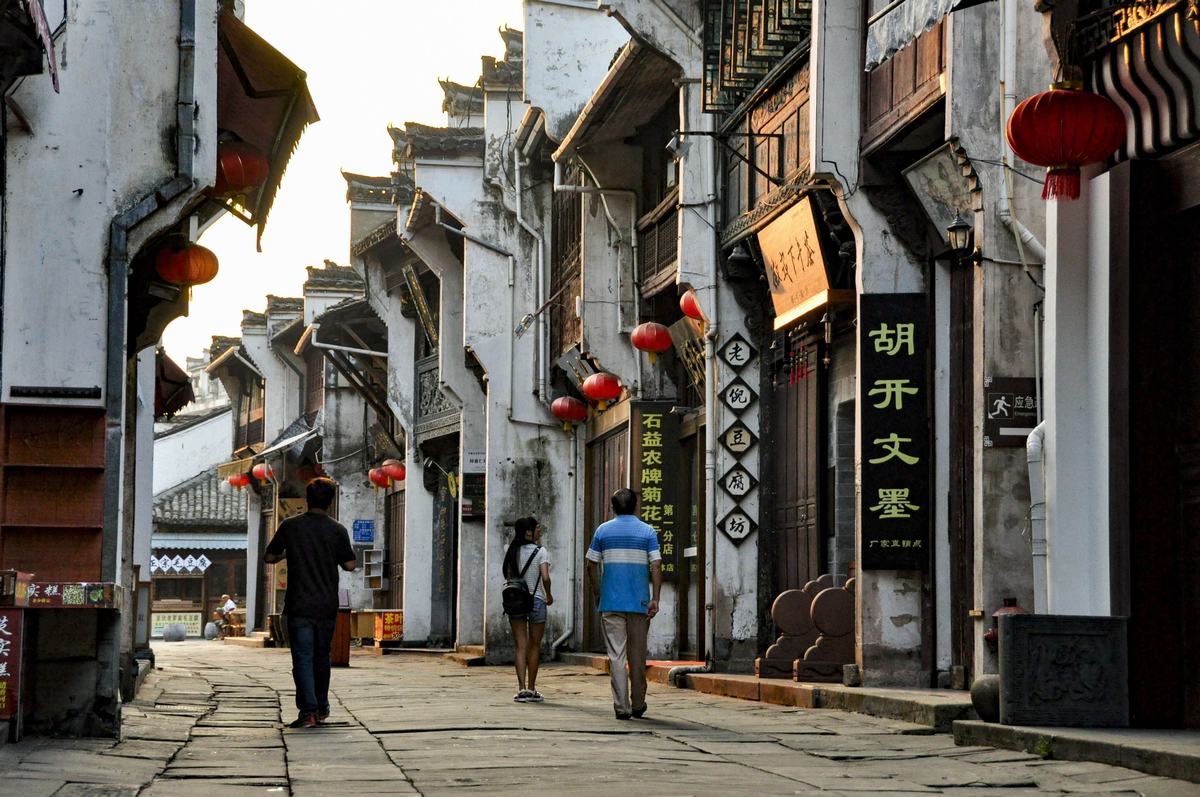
column 192, row 622
column 655, row 469
column 896, row 450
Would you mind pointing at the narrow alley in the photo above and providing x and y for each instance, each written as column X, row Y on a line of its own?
column 208, row 722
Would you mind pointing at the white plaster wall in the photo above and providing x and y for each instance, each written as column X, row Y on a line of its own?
column 143, row 468
column 568, row 45
column 181, row 455
column 279, row 381
column 1078, row 251
column 94, row 149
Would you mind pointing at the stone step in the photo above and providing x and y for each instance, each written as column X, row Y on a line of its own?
column 597, row 661
column 465, row 659
column 247, row 641
column 474, row 650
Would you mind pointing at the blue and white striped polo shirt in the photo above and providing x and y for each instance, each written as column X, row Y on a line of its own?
column 625, row 546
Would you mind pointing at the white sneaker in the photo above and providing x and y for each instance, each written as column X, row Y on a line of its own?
column 534, row 697
column 523, row 696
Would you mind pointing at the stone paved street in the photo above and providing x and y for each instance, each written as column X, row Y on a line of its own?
column 207, row 722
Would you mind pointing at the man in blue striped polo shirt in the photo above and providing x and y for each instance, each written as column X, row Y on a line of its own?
column 627, row 549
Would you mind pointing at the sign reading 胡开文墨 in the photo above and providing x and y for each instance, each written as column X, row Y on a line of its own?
column 894, row 396
column 654, row 474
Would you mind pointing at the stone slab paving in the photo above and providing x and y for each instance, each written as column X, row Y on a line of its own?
column 208, row 723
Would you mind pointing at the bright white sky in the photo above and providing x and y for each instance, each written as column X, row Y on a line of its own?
column 369, row 63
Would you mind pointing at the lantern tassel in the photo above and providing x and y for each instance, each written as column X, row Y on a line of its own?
column 1062, row 182
column 653, row 357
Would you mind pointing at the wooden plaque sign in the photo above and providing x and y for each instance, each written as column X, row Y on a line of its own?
column 795, row 262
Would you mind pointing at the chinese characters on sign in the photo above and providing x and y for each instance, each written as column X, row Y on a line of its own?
column 739, row 482
column 654, row 472
column 738, row 396
column 737, row 353
column 793, row 252
column 10, row 662
column 737, row 525
column 1011, row 411
column 389, row 626
column 896, row 459
column 738, row 439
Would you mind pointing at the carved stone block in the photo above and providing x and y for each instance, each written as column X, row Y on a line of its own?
column 1064, row 671
column 833, row 618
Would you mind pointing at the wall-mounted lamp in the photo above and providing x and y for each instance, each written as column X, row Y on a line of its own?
column 959, row 236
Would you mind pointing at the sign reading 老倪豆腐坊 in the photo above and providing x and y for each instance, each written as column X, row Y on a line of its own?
column 654, row 474
column 894, row 396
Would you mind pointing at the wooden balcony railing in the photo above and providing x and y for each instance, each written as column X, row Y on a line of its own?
column 658, row 245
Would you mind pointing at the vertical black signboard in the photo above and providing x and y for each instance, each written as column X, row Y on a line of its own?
column 896, row 451
column 655, row 467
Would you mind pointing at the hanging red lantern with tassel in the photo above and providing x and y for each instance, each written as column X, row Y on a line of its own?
column 185, row 264
column 602, row 388
column 239, row 480
column 569, row 410
column 241, row 167
column 1063, row 129
column 690, row 305
column 651, row 338
column 394, row 469
column 262, row 471
column 379, row 478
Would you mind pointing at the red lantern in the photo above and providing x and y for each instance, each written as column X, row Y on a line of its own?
column 241, row 167
column 569, row 410
column 602, row 388
column 690, row 306
column 1062, row 129
column 394, row 469
column 262, row 471
column 186, row 264
column 379, row 478
column 651, row 338
column 239, row 480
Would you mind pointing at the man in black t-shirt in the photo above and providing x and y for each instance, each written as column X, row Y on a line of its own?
column 315, row 546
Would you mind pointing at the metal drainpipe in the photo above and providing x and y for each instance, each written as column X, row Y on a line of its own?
column 540, row 281
column 575, row 531
column 348, row 349
column 118, row 284
column 1034, row 455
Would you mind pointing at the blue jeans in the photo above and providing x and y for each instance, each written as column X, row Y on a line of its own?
column 310, row 638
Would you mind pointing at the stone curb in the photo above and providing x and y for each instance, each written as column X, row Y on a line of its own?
column 1069, row 744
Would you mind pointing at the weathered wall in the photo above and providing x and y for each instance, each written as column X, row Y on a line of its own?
column 144, row 468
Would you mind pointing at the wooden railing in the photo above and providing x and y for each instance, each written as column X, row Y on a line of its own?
column 658, row 243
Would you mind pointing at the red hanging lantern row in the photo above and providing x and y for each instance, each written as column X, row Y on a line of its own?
column 263, row 472
column 241, row 168
column 651, row 338
column 1062, row 129
column 394, row 469
column 569, row 410
column 239, row 480
column 690, row 306
column 186, row 264
column 602, row 388
column 379, row 478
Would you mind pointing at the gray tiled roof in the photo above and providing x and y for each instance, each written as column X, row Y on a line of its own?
column 201, row 501
column 332, row 276
column 187, row 420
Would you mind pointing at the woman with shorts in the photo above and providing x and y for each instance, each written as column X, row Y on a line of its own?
column 528, row 628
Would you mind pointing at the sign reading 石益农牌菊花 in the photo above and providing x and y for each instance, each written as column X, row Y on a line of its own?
column 894, row 396
column 654, row 474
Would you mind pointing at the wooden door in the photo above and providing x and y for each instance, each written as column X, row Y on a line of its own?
column 394, row 555
column 690, row 586
column 961, row 509
column 607, row 471
column 795, row 462
column 1163, row 429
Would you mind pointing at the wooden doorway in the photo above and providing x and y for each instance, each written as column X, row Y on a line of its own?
column 393, row 520
column 690, row 586
column 1160, row 591
column 607, row 471
column 961, row 508
column 796, row 462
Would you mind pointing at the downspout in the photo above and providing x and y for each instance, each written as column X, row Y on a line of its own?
column 540, row 280
column 1008, row 48
column 710, row 488
column 1035, row 457
column 118, row 285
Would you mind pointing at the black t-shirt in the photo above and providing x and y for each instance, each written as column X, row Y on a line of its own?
column 315, row 545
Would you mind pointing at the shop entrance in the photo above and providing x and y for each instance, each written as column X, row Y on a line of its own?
column 607, row 471
column 1160, row 591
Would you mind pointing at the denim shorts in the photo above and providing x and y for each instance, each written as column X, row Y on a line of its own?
column 538, row 615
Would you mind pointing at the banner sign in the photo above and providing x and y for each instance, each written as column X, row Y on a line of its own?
column 11, row 626
column 896, row 448
column 192, row 622
column 655, row 468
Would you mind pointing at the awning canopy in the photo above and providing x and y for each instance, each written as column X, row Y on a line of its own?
column 198, row 542
column 292, row 444
column 900, row 22
column 172, row 386
column 263, row 99
column 639, row 83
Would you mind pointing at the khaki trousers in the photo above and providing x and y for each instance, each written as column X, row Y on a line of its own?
column 625, row 639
